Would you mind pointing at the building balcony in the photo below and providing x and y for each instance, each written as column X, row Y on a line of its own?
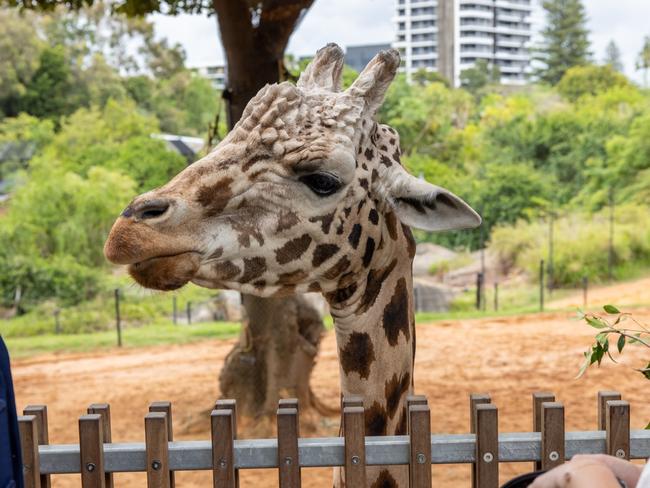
column 515, row 5
column 487, row 40
column 424, row 56
column 512, row 56
column 513, row 17
column 514, row 31
column 475, row 13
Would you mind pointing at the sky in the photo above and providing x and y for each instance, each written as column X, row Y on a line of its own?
column 352, row 22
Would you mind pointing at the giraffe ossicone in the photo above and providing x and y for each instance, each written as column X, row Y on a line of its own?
column 306, row 193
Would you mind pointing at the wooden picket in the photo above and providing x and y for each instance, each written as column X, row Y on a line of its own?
column 228, row 455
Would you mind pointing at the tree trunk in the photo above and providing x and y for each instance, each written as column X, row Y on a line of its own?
column 279, row 341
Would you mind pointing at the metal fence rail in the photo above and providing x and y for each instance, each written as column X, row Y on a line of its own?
column 96, row 458
column 329, row 451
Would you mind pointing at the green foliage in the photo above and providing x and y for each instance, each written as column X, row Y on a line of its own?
column 479, row 76
column 624, row 329
column 581, row 245
column 20, row 49
column 565, row 39
column 643, row 60
column 579, row 81
column 613, row 56
column 46, row 93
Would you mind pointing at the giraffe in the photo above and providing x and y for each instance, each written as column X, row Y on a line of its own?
column 306, row 193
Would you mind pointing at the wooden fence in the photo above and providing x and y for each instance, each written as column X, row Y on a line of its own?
column 96, row 457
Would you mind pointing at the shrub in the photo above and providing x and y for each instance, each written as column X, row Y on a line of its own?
column 581, row 244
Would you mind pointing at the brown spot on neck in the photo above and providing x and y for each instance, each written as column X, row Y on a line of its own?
column 384, row 480
column 325, row 220
column 358, row 354
column 391, row 225
column 374, row 281
column 396, row 319
column 376, row 420
column 394, row 390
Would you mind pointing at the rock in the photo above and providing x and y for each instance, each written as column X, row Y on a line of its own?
column 427, row 254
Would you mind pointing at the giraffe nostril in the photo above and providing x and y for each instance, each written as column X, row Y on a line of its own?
column 151, row 209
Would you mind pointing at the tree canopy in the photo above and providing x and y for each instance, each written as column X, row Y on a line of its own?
column 565, row 39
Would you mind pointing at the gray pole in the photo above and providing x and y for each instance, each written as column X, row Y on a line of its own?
column 189, row 313
column 118, row 321
column 550, row 252
column 541, row 285
column 610, row 257
column 479, row 290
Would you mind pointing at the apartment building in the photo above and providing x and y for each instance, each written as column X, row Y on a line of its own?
column 215, row 73
column 449, row 36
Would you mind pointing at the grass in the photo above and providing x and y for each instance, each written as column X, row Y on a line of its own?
column 151, row 335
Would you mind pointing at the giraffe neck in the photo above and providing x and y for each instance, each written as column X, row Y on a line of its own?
column 375, row 333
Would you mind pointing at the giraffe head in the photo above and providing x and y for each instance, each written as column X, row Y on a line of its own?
column 292, row 200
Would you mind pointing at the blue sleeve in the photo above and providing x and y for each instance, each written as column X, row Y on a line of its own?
column 11, row 472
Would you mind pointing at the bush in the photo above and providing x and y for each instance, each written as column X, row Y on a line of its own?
column 581, row 244
column 34, row 279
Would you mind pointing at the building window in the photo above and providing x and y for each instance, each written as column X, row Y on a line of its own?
column 429, row 36
column 421, row 24
column 423, row 11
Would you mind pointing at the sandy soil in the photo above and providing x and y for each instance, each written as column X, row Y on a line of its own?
column 631, row 293
column 508, row 357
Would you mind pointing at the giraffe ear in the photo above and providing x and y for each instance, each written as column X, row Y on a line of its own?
column 325, row 70
column 374, row 80
column 424, row 206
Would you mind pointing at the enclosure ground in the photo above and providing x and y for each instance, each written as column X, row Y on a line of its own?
column 508, row 357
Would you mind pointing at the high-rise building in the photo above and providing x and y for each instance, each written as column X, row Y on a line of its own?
column 216, row 73
column 449, row 36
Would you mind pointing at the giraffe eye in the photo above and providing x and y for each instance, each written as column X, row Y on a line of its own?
column 322, row 184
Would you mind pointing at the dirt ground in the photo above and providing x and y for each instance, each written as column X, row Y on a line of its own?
column 508, row 357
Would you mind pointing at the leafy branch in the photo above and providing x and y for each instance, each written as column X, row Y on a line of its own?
column 622, row 329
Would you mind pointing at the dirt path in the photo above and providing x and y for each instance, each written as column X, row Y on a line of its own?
column 507, row 357
column 628, row 293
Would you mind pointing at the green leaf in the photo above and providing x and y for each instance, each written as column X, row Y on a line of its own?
column 584, row 366
column 601, row 337
column 620, row 344
column 611, row 309
column 596, row 322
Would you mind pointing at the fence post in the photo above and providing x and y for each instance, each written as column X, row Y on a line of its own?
column 28, row 426
column 541, row 285
column 104, row 410
column 496, row 296
column 552, row 428
column 118, row 321
column 227, row 404
column 420, row 451
column 603, row 398
column 91, row 449
column 479, row 291
column 188, row 310
column 174, row 310
column 157, row 446
column 585, row 288
column 487, row 446
column 288, row 460
column 223, row 459
column 618, row 429
column 413, row 400
column 40, row 412
column 57, row 321
column 475, row 399
column 166, row 408
column 355, row 446
column 539, row 397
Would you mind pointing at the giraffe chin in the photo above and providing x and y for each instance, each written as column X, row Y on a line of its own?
column 166, row 272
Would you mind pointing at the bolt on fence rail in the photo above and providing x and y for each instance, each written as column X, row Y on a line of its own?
column 96, row 457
